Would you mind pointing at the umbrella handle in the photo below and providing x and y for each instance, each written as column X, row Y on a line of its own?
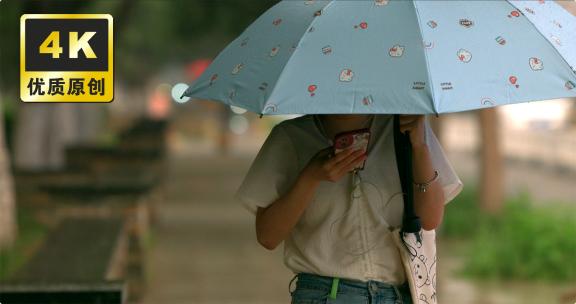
column 403, row 150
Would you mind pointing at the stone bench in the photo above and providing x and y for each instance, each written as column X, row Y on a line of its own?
column 81, row 258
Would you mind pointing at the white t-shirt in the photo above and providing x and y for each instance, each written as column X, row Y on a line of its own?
column 337, row 235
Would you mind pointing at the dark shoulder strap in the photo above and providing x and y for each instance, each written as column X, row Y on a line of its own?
column 403, row 150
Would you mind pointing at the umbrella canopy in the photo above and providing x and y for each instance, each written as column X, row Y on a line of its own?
column 395, row 57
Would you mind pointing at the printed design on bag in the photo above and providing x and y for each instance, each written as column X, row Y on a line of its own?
column 420, row 271
column 327, row 50
column 500, row 40
column 423, row 268
column 432, row 24
column 569, row 85
column 432, row 272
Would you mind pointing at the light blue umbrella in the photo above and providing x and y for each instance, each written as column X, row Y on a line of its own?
column 395, row 57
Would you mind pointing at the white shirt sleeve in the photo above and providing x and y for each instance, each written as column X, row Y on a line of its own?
column 451, row 183
column 271, row 173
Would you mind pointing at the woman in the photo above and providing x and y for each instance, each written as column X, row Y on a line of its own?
column 302, row 195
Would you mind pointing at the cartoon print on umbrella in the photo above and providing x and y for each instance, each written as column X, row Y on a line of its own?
column 513, row 80
column 487, row 101
column 555, row 28
column 467, row 23
column 274, row 51
column 346, row 75
column 237, row 68
column 536, row 64
column 270, row 107
column 363, row 25
column 396, row 51
column 381, row 2
column 213, row 78
column 418, row 85
column 500, row 40
column 293, row 47
column 529, row 10
column 464, row 55
column 556, row 40
column 231, row 94
column 515, row 14
column 312, row 89
column 367, row 100
column 446, row 86
column 556, row 23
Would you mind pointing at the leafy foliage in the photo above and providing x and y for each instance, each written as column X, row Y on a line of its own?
column 524, row 241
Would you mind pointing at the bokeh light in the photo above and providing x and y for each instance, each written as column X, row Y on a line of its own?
column 238, row 124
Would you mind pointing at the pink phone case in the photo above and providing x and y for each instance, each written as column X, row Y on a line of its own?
column 356, row 138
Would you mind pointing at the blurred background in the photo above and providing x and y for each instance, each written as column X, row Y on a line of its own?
column 134, row 197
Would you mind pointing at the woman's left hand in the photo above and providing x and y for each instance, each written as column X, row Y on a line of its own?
column 415, row 124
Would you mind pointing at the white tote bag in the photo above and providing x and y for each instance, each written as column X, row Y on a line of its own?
column 419, row 261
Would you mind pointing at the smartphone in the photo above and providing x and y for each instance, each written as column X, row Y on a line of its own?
column 355, row 139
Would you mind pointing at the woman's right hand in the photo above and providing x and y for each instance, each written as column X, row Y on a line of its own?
column 322, row 167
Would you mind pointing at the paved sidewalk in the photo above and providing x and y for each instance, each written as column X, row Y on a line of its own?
column 205, row 249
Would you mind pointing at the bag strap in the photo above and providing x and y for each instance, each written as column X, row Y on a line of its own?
column 403, row 149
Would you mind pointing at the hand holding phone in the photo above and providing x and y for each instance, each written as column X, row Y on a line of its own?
column 355, row 139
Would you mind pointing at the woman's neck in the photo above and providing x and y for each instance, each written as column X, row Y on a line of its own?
column 336, row 123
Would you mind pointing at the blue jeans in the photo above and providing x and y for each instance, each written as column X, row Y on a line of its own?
column 315, row 289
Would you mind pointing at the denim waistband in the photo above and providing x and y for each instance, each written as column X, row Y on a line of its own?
column 324, row 283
